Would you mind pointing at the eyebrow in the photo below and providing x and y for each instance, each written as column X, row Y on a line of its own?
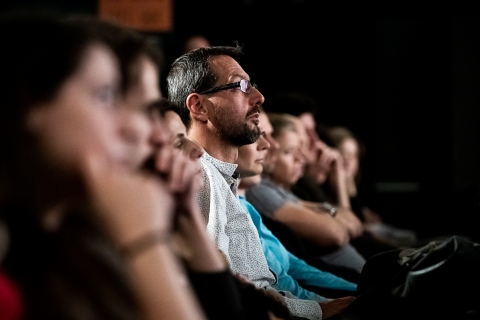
column 241, row 76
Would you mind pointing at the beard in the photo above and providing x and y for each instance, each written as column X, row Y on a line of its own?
column 235, row 131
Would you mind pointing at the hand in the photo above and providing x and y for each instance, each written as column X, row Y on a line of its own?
column 335, row 306
column 243, row 279
column 183, row 176
column 128, row 204
column 326, row 161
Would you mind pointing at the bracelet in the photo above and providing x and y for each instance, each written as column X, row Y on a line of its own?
column 144, row 242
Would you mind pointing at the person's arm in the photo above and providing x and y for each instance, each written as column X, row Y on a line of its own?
column 343, row 215
column 348, row 219
column 337, row 181
column 322, row 229
column 161, row 285
column 311, row 276
column 285, row 281
column 330, row 161
column 135, row 211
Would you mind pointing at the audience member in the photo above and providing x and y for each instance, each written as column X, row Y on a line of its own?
column 326, row 233
column 193, row 42
column 193, row 151
column 323, row 168
column 100, row 229
column 352, row 151
column 292, row 273
column 220, row 107
column 61, row 110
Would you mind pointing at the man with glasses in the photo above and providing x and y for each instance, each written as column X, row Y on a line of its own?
column 220, row 107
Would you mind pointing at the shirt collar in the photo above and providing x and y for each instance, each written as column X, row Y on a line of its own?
column 226, row 168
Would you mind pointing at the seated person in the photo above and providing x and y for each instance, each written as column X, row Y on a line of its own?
column 352, row 151
column 293, row 273
column 324, row 176
column 326, row 233
column 219, row 107
column 97, row 225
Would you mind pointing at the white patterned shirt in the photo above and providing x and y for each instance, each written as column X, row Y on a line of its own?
column 234, row 233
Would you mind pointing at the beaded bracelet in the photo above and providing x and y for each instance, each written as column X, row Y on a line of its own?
column 144, row 242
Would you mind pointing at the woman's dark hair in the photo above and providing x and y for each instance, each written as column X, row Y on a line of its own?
column 69, row 272
column 39, row 52
column 128, row 44
column 163, row 105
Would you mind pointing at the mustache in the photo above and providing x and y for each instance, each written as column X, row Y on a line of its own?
column 255, row 109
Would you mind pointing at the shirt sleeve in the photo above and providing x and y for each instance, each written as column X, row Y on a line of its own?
column 265, row 199
column 286, row 282
column 312, row 276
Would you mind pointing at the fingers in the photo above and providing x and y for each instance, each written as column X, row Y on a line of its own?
column 184, row 175
column 164, row 157
column 328, row 156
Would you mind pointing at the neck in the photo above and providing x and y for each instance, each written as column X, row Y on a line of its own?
column 241, row 191
column 246, row 183
column 213, row 145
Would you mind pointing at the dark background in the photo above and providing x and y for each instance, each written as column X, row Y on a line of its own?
column 403, row 76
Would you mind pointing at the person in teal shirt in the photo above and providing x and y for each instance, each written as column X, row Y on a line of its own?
column 290, row 270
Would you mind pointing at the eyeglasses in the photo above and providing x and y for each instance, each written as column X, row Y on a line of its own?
column 244, row 85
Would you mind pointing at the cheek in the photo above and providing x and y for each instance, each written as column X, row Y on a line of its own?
column 282, row 169
column 70, row 134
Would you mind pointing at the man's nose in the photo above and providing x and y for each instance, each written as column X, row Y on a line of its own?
column 257, row 97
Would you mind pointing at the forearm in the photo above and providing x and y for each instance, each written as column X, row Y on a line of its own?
column 320, row 228
column 201, row 254
column 312, row 276
column 348, row 219
column 161, row 286
column 338, row 184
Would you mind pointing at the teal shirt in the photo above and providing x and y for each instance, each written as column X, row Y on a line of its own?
column 290, row 269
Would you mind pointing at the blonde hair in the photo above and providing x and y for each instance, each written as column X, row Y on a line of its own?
column 282, row 122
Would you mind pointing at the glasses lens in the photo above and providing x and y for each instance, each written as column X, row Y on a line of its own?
column 245, row 86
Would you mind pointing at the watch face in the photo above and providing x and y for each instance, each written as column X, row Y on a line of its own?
column 328, row 207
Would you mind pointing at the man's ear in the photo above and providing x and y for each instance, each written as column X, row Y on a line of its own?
column 195, row 106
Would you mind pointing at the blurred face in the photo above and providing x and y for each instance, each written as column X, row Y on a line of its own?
column 186, row 153
column 251, row 157
column 289, row 165
column 139, row 130
column 267, row 129
column 310, row 135
column 350, row 153
column 84, row 115
column 178, row 137
column 308, row 153
column 195, row 42
column 233, row 114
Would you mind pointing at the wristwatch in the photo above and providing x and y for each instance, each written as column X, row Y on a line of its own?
column 328, row 208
